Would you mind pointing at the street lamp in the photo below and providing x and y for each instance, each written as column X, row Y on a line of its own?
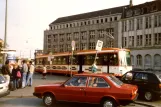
column 5, row 33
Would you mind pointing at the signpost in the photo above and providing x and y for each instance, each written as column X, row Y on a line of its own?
column 73, row 46
column 98, row 48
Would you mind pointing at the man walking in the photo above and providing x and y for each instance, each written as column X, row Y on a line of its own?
column 24, row 73
column 30, row 74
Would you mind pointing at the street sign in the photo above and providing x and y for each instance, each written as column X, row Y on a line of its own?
column 73, row 44
column 99, row 45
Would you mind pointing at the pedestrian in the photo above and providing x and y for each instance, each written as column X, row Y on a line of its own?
column 30, row 74
column 24, row 73
column 94, row 67
column 16, row 75
column 44, row 72
column 6, row 71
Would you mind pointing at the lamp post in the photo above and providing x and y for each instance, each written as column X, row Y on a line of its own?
column 5, row 33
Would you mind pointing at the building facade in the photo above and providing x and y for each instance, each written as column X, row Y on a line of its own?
column 85, row 29
column 135, row 27
column 140, row 31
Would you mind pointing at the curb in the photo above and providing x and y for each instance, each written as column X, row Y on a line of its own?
column 20, row 96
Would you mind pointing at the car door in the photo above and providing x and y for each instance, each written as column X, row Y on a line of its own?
column 96, row 89
column 141, row 80
column 73, row 90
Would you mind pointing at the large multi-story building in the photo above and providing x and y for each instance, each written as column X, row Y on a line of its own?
column 135, row 27
column 85, row 29
column 140, row 31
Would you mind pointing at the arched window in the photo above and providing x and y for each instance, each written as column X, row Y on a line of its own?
column 148, row 61
column 157, row 60
column 139, row 60
column 132, row 60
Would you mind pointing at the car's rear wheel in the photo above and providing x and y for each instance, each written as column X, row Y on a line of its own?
column 108, row 103
column 148, row 96
column 49, row 100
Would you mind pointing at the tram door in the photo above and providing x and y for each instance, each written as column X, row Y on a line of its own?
column 80, row 63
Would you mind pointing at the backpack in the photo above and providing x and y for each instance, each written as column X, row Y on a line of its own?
column 18, row 74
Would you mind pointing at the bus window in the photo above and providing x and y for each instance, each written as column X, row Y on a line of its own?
column 64, row 60
column 128, row 58
column 100, row 59
column 111, row 58
column 55, row 60
column 59, row 60
column 89, row 59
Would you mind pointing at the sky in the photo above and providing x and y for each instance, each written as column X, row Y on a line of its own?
column 27, row 19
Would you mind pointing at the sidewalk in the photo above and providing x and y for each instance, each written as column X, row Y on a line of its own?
column 28, row 91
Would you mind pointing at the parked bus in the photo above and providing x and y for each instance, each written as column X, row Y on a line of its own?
column 110, row 60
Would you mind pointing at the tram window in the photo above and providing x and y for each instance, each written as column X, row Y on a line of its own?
column 100, row 59
column 111, row 58
column 64, row 60
column 89, row 59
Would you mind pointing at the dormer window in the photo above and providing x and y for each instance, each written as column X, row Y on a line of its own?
column 145, row 10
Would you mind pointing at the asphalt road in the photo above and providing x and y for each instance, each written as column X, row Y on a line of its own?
column 24, row 98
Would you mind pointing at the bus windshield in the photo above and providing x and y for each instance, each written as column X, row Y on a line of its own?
column 128, row 59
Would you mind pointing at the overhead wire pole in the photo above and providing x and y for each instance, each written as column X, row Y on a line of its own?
column 5, row 33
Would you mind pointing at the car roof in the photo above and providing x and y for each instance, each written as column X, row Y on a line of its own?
column 150, row 71
column 93, row 74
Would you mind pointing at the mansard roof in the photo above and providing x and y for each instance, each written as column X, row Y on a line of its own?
column 89, row 15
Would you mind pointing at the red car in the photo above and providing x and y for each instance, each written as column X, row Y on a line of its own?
column 102, row 89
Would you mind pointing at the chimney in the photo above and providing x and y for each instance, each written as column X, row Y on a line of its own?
column 131, row 4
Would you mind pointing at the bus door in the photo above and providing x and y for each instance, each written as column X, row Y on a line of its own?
column 80, row 63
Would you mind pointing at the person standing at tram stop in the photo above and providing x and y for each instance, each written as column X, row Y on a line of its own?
column 44, row 72
column 24, row 73
column 30, row 74
column 6, row 71
column 94, row 67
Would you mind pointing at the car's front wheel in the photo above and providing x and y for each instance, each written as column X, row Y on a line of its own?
column 49, row 100
column 108, row 103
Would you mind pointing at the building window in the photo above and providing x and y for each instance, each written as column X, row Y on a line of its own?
column 101, row 20
column 124, row 41
column 132, row 60
column 92, row 34
column 97, row 21
column 139, row 40
column 157, row 20
column 148, row 22
column 139, row 60
column 76, row 36
column 61, row 37
column 92, row 45
column 83, row 46
column 157, row 39
column 148, row 39
column 139, row 23
column 69, row 37
column 131, row 40
column 106, row 19
column 84, row 35
column 89, row 22
column 115, row 18
column 77, row 46
column 55, row 36
column 157, row 60
column 124, row 26
column 131, row 25
column 101, row 33
column 148, row 61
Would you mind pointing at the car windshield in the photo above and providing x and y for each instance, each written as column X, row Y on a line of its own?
column 115, row 80
column 159, row 76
